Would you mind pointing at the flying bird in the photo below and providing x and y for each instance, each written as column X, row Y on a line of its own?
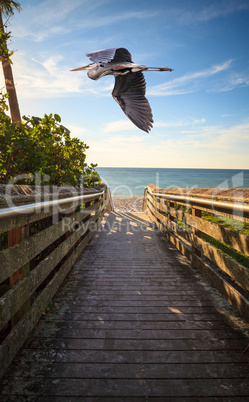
column 129, row 89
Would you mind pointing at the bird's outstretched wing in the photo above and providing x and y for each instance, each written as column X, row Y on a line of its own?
column 129, row 91
column 105, row 56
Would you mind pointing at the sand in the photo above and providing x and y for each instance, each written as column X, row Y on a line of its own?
column 127, row 204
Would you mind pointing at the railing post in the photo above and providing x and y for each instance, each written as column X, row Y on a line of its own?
column 145, row 200
column 198, row 213
column 102, row 199
column 15, row 236
column 109, row 202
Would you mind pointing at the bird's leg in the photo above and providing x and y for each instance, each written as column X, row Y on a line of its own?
column 158, row 69
column 166, row 69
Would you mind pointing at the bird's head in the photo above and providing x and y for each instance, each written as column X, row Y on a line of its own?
column 96, row 70
column 88, row 67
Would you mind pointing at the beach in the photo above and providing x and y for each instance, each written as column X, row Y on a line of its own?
column 127, row 204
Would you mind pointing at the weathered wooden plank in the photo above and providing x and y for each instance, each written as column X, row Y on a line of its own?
column 231, row 294
column 127, row 325
column 112, row 305
column 15, row 257
column 14, row 299
column 164, row 205
column 25, row 219
column 204, row 200
column 180, row 214
column 13, row 342
column 238, row 272
column 88, row 333
column 20, row 254
column 150, row 318
column 119, row 388
column 179, row 243
column 15, row 236
column 136, row 344
column 22, row 220
column 235, row 239
column 172, row 227
column 176, row 213
column 238, row 241
column 130, row 370
column 124, row 295
column 134, row 356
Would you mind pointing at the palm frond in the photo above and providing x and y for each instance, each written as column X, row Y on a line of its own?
column 7, row 6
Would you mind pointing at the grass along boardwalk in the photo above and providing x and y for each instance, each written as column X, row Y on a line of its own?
column 133, row 322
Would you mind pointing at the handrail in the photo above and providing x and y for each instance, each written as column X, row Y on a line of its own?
column 28, row 208
column 219, row 204
column 192, row 235
column 38, row 251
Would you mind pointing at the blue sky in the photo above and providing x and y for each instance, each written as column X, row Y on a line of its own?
column 201, row 110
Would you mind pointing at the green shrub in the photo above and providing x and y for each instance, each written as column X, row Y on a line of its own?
column 44, row 146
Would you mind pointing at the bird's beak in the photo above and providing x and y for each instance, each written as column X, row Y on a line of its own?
column 83, row 68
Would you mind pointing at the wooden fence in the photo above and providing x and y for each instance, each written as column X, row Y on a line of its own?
column 213, row 246
column 39, row 244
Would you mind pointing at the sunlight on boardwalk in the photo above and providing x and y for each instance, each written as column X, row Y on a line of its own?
column 132, row 322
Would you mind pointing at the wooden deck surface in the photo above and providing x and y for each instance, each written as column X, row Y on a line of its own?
column 133, row 322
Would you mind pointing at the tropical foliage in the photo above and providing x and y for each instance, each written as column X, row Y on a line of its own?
column 42, row 147
column 7, row 6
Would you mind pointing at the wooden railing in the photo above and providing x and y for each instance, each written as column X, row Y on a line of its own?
column 213, row 246
column 40, row 242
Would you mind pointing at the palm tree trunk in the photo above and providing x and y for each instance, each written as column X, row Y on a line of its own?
column 10, row 86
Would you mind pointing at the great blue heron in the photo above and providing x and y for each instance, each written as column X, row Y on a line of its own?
column 130, row 86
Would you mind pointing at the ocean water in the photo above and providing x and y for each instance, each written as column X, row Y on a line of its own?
column 132, row 181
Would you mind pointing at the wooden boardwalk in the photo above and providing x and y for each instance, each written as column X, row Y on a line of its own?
column 133, row 322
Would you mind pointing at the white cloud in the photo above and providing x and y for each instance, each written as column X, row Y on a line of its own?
column 199, row 14
column 235, row 80
column 76, row 131
column 188, row 83
column 97, row 22
column 50, row 78
column 228, row 147
column 59, row 17
column 127, row 125
column 179, row 123
column 214, row 137
column 44, row 19
column 120, row 125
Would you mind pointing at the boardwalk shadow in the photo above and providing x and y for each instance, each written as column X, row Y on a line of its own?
column 126, row 223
